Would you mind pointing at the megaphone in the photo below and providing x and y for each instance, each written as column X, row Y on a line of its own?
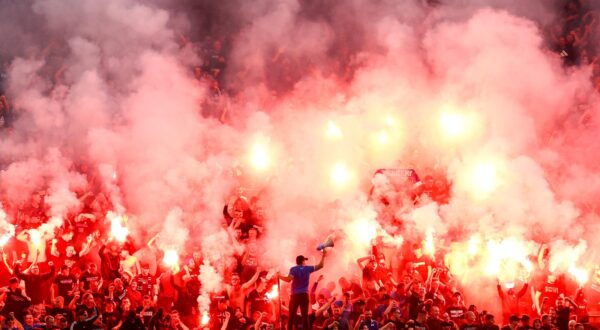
column 326, row 244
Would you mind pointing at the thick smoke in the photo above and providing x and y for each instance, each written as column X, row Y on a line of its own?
column 349, row 87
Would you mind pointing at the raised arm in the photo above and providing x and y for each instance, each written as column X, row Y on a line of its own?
column 325, row 306
column 322, row 262
column 226, row 321
column 87, row 246
column 499, row 288
column 360, row 261
column 313, row 289
column 8, row 268
column 572, row 302
column 252, row 280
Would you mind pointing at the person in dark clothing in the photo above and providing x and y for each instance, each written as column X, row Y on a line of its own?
column 563, row 312
column 525, row 325
column 513, row 323
column 110, row 262
column 35, row 282
column 132, row 322
column 90, row 275
column 489, row 323
column 84, row 321
column 299, row 276
column 15, row 301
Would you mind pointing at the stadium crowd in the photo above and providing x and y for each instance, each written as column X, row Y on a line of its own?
column 82, row 278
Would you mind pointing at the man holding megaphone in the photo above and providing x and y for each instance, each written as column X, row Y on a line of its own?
column 299, row 276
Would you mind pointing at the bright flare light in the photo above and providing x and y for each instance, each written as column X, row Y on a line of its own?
column 274, row 293
column 484, row 178
column 506, row 259
column 340, row 175
column 171, row 258
column 453, row 125
column 474, row 245
column 117, row 230
column 36, row 237
column 581, row 275
column 259, row 156
column 4, row 239
column 363, row 231
column 333, row 131
column 205, row 318
column 389, row 120
column 382, row 137
column 428, row 244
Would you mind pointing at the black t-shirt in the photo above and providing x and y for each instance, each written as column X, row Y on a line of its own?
column 81, row 307
column 399, row 325
column 217, row 317
column 258, row 301
column 110, row 319
column 145, row 284
column 87, row 277
column 434, row 324
column 65, row 284
column 562, row 318
column 447, row 325
column 437, row 298
column 15, row 302
column 146, row 314
column 414, row 304
column 470, row 327
column 237, row 324
column 490, row 327
column 420, row 326
column 456, row 314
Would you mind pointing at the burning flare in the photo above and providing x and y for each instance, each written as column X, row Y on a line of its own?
column 428, row 244
column 205, row 318
column 259, row 156
column 333, row 131
column 340, row 175
column 453, row 125
column 36, row 237
column 274, row 293
column 484, row 179
column 117, row 228
column 171, row 258
column 581, row 275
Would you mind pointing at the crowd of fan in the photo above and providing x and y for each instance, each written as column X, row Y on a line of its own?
column 82, row 278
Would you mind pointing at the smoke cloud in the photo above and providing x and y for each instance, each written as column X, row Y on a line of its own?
column 327, row 93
